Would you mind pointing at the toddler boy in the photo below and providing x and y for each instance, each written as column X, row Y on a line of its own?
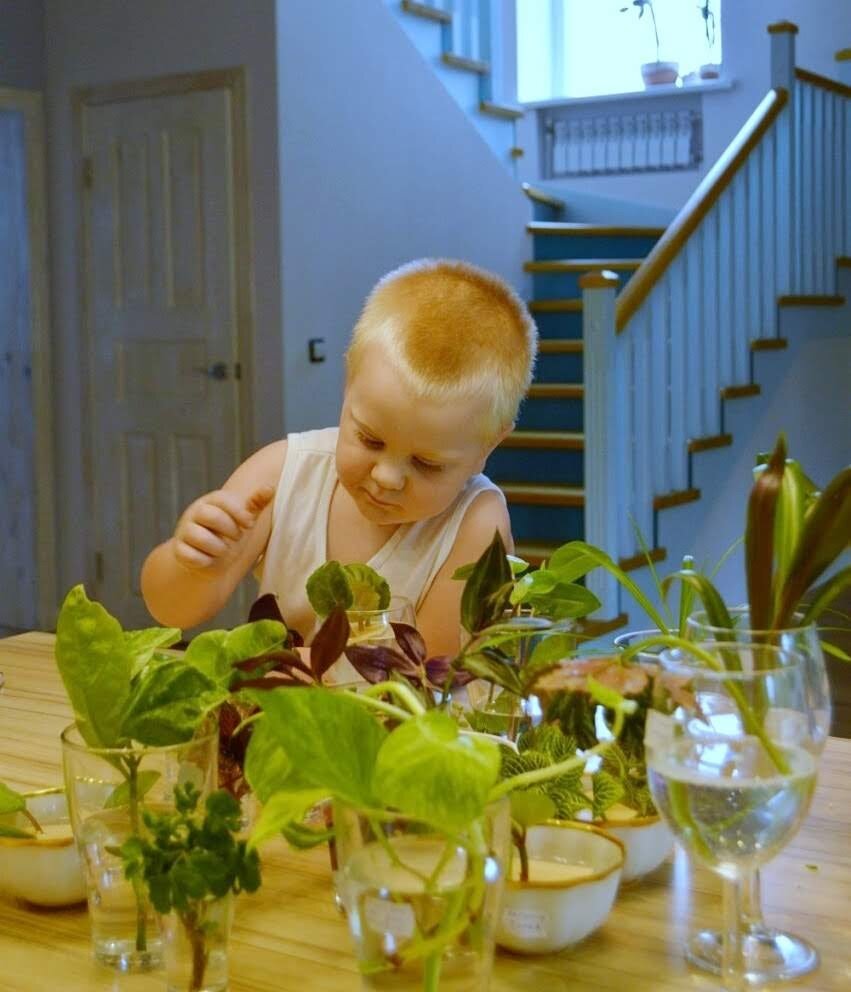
column 439, row 362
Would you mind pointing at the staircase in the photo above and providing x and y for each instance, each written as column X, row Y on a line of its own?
column 540, row 465
column 464, row 41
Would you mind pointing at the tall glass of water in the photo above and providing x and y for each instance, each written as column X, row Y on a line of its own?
column 736, row 772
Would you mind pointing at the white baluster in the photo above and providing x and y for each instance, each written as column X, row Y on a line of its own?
column 808, row 181
column 680, row 343
column 766, row 169
column 708, row 238
column 819, row 190
column 830, row 198
column 645, row 436
column 798, row 197
column 693, row 334
column 659, row 388
column 605, row 426
column 741, row 247
column 726, row 280
column 754, row 287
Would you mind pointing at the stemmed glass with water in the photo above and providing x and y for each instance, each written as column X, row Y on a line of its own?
column 735, row 771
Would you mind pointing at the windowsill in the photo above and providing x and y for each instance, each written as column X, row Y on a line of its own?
column 663, row 89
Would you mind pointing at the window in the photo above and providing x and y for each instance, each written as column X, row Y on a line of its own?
column 575, row 48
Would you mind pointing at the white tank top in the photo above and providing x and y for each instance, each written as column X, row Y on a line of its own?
column 297, row 546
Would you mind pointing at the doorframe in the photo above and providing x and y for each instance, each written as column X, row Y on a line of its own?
column 233, row 81
column 30, row 104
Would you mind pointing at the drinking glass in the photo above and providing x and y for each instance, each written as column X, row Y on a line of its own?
column 735, row 776
column 422, row 905
column 772, row 954
column 371, row 628
column 107, row 789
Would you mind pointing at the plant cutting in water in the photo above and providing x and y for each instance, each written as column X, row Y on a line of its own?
column 794, row 533
column 16, row 802
column 313, row 744
column 125, row 690
column 186, row 863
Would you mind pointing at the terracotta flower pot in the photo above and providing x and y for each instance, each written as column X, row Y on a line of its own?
column 657, row 73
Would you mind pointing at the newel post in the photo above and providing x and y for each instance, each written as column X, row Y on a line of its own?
column 783, row 77
column 604, row 411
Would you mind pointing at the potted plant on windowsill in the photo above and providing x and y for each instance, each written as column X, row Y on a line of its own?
column 658, row 72
column 709, row 70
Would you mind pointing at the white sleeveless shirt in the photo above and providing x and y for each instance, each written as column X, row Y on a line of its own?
column 409, row 560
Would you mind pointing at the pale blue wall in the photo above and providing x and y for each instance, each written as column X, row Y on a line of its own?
column 22, row 44
column 378, row 165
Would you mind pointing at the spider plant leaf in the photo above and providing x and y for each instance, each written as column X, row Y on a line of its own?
column 828, row 592
column 834, row 651
column 789, row 518
column 713, row 603
column 604, row 561
column 759, row 537
column 824, row 537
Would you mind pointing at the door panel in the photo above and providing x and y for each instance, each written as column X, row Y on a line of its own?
column 161, row 312
column 18, row 576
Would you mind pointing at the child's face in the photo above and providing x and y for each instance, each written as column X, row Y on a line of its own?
column 404, row 459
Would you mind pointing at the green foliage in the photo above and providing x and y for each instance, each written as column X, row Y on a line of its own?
column 542, row 747
column 183, row 859
column 216, row 652
column 12, row 802
column 430, row 772
column 353, row 587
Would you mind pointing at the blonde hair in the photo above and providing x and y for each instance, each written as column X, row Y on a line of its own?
column 452, row 331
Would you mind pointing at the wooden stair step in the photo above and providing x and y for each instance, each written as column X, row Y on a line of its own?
column 577, row 230
column 740, row 392
column 542, row 196
column 769, row 344
column 707, row 443
column 536, row 552
column 572, row 305
column 563, row 440
column 538, row 494
column 584, row 265
column 811, row 300
column 598, row 628
column 675, row 498
column 424, row 10
column 477, row 66
column 504, row 111
column 560, row 346
column 556, row 391
column 844, row 261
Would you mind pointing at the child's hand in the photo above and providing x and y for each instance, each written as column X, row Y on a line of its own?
column 213, row 529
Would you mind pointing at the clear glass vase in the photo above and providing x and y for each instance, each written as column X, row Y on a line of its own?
column 107, row 790
column 771, row 954
column 422, row 906
column 195, row 944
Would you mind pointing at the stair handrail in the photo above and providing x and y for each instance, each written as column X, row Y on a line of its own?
column 719, row 177
column 763, row 229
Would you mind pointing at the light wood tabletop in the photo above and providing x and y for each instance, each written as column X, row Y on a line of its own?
column 289, row 936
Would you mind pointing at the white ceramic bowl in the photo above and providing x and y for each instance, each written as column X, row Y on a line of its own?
column 578, row 869
column 46, row 870
column 647, row 841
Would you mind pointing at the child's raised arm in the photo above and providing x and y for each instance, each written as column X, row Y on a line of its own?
column 216, row 542
column 439, row 617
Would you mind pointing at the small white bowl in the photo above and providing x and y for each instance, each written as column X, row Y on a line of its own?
column 579, row 868
column 647, row 841
column 46, row 869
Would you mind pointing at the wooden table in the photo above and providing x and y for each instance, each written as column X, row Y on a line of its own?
column 289, row 936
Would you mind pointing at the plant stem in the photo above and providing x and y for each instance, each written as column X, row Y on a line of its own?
column 519, row 837
column 36, row 825
column 138, row 885
column 402, row 692
column 195, row 935
column 388, row 708
column 431, row 971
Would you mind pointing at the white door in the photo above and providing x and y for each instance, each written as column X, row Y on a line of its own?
column 162, row 328
column 18, row 583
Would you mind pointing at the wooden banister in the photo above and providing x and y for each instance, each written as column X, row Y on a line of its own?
column 698, row 206
column 824, row 82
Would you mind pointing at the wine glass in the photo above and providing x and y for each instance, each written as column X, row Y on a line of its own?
column 772, row 954
column 736, row 773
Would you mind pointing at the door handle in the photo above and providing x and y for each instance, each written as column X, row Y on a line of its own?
column 218, row 370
